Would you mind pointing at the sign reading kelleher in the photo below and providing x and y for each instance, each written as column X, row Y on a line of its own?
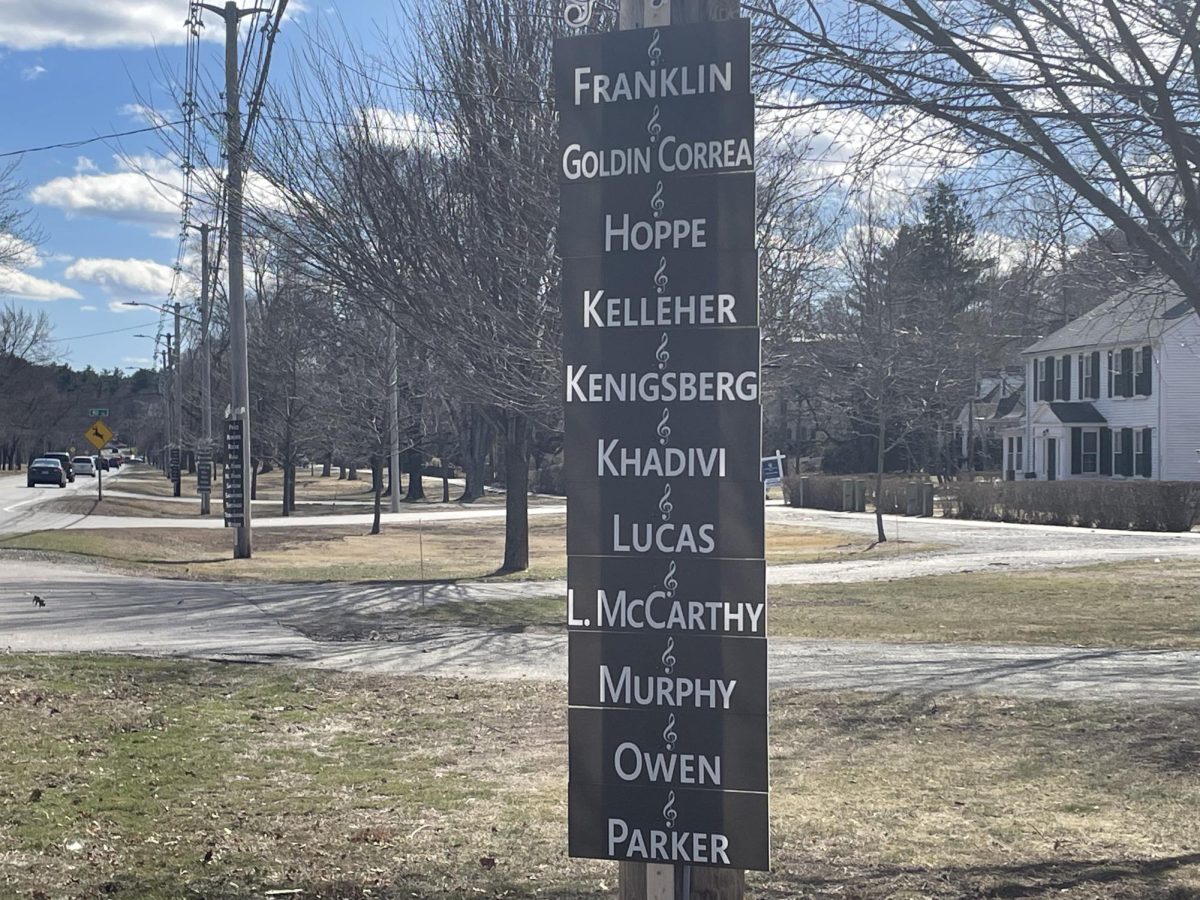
column 666, row 577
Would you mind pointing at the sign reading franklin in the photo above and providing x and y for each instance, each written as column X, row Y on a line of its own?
column 666, row 577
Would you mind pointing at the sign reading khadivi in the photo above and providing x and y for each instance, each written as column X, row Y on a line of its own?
column 666, row 579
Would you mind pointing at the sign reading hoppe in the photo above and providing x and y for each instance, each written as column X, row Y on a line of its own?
column 665, row 569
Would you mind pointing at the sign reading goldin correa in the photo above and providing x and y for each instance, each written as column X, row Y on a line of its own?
column 666, row 578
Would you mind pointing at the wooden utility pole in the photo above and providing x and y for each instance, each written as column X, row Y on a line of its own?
column 177, row 400
column 206, row 379
column 234, row 188
column 642, row 881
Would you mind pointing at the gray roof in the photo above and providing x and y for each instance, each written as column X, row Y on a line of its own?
column 1140, row 313
column 1077, row 414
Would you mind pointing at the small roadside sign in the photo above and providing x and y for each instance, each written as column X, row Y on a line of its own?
column 772, row 469
column 98, row 434
column 98, row 413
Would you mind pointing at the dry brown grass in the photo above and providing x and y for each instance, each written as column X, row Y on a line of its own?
column 420, row 549
column 157, row 780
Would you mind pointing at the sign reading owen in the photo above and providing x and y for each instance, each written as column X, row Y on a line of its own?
column 666, row 577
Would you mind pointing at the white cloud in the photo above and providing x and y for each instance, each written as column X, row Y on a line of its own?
column 20, row 252
column 140, row 276
column 87, row 24
column 87, row 307
column 83, row 164
column 142, row 189
column 15, row 283
column 32, row 73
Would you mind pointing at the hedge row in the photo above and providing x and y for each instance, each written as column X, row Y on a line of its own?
column 825, row 492
column 1138, row 505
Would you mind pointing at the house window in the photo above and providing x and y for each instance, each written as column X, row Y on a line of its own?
column 1091, row 452
column 1040, row 378
column 1114, row 373
column 1060, row 387
column 1118, row 450
column 1141, row 453
column 1139, row 363
column 1018, row 454
column 1085, row 383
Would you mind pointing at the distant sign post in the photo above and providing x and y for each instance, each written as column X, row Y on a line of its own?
column 98, row 413
column 204, row 473
column 665, row 563
column 99, row 434
column 234, row 490
column 772, row 470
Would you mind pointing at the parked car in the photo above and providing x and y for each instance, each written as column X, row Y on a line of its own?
column 84, row 465
column 102, row 463
column 115, row 461
column 64, row 460
column 45, row 470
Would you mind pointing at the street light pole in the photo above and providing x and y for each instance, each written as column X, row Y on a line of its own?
column 394, row 406
column 178, row 398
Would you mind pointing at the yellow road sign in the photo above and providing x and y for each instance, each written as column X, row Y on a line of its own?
column 98, row 434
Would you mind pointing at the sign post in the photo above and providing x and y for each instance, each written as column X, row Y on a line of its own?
column 666, row 599
column 204, row 473
column 772, row 471
column 98, row 434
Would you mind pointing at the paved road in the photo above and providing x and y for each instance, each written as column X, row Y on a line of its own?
column 91, row 612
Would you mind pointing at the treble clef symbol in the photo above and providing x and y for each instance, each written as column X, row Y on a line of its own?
column 664, row 430
column 668, row 657
column 578, row 13
column 669, row 734
column 660, row 276
column 665, row 505
column 671, row 582
column 669, row 812
column 653, row 128
column 656, row 202
column 662, row 354
column 654, row 51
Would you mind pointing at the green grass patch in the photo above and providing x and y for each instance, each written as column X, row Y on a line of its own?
column 163, row 780
column 1139, row 604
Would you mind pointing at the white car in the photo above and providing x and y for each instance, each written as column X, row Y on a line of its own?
column 84, row 465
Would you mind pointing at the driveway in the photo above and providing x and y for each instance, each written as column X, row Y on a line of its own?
column 90, row 612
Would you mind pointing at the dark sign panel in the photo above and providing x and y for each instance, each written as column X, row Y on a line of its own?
column 666, row 576
column 204, row 471
column 669, row 825
column 650, row 138
column 668, row 519
column 651, row 214
column 667, row 596
column 173, row 472
column 234, row 489
column 682, row 289
column 677, row 748
column 668, row 672
column 707, row 59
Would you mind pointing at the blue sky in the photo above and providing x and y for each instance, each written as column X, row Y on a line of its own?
column 71, row 70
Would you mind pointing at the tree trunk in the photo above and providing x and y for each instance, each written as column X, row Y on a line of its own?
column 352, row 475
column 392, row 478
column 476, row 439
column 445, row 481
column 377, row 477
column 327, row 467
column 286, row 483
column 253, row 479
column 516, row 494
column 880, row 453
column 416, row 487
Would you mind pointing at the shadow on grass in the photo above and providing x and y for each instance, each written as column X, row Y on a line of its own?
column 1113, row 879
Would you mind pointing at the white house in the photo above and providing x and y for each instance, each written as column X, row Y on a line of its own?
column 1113, row 394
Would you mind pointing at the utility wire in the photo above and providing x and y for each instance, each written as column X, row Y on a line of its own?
column 80, row 337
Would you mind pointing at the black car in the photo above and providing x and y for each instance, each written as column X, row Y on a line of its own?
column 45, row 471
column 102, row 463
column 65, row 460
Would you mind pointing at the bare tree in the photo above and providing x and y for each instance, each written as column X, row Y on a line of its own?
column 1100, row 95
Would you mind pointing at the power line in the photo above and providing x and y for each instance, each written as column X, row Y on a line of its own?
column 79, row 337
column 70, row 145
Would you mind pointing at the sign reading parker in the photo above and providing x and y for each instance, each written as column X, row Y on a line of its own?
column 666, row 577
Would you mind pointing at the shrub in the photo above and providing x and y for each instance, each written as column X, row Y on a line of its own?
column 1136, row 505
column 823, row 491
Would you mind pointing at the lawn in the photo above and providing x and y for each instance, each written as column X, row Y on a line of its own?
column 1138, row 604
column 161, row 780
column 418, row 549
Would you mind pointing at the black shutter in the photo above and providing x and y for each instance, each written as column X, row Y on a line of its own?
column 1127, row 372
column 1083, row 385
column 1037, row 385
column 1048, row 384
column 1147, row 457
column 1094, row 393
column 1076, row 451
column 1066, row 378
column 1144, row 381
column 1112, row 383
column 1127, row 448
column 1106, row 460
